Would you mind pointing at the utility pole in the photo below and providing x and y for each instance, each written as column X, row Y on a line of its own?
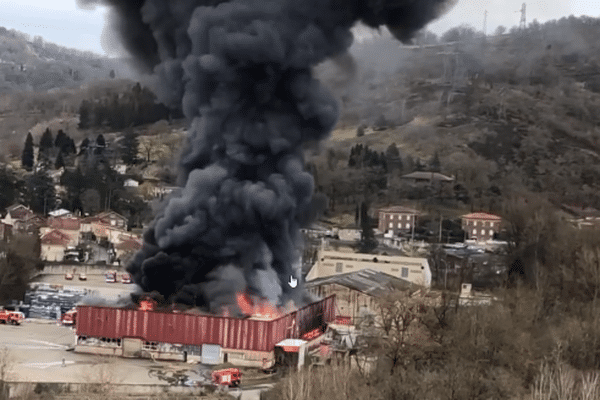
column 440, row 228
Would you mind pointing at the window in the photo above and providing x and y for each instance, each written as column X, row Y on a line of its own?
column 339, row 267
column 474, row 231
column 491, row 232
column 391, row 225
column 407, row 226
column 399, row 225
column 483, row 231
column 491, row 224
column 404, row 272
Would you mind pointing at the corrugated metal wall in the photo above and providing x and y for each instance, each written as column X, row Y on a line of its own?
column 191, row 329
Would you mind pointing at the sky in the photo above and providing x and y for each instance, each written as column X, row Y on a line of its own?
column 62, row 22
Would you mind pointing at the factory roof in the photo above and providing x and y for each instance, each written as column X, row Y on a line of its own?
column 367, row 281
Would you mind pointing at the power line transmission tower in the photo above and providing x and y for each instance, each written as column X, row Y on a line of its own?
column 523, row 22
column 485, row 23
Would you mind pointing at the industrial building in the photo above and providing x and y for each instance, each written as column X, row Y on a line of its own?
column 186, row 336
column 413, row 269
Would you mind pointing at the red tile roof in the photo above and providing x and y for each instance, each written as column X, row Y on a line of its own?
column 69, row 224
column 399, row 209
column 55, row 237
column 482, row 216
column 130, row 244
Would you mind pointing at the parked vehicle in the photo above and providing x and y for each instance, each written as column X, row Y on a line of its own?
column 125, row 278
column 227, row 377
column 111, row 277
column 69, row 276
column 82, row 277
column 11, row 317
column 70, row 317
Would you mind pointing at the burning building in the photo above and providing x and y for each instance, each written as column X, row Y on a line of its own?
column 185, row 336
column 241, row 72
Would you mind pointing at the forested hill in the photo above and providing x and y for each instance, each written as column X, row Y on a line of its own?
column 510, row 110
column 28, row 64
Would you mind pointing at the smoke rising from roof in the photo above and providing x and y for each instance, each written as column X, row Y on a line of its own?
column 241, row 70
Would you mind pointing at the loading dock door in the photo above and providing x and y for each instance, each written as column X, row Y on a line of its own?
column 211, row 354
column 132, row 347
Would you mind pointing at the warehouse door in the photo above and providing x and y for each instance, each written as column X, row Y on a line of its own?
column 132, row 347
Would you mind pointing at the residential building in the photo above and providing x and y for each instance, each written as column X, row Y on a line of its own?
column 412, row 269
column 69, row 228
column 481, row 226
column 17, row 212
column 427, row 177
column 127, row 246
column 397, row 219
column 53, row 245
column 60, row 213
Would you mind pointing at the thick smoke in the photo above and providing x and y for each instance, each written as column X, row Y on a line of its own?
column 241, row 70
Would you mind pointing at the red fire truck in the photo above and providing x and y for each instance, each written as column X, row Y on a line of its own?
column 69, row 318
column 227, row 377
column 11, row 317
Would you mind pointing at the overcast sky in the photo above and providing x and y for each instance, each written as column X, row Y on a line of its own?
column 62, row 22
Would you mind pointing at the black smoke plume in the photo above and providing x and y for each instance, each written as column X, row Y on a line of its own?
column 241, row 70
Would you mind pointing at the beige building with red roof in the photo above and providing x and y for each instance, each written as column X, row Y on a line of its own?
column 53, row 245
column 68, row 227
column 397, row 219
column 481, row 226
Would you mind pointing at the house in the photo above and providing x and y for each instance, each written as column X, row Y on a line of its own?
column 349, row 233
column 131, row 183
column 5, row 232
column 127, row 246
column 53, row 245
column 397, row 219
column 356, row 292
column 31, row 224
column 107, row 224
column 68, row 227
column 481, row 226
column 412, row 269
column 60, row 213
column 16, row 212
column 427, row 177
column 582, row 217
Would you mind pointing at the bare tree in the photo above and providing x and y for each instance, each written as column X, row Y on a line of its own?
column 6, row 366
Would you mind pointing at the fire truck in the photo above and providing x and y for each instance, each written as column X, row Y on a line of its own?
column 69, row 318
column 111, row 277
column 11, row 317
column 227, row 377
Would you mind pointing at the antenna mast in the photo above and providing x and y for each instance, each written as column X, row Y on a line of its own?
column 523, row 22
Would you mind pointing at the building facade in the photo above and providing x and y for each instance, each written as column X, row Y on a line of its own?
column 481, row 226
column 412, row 269
column 397, row 219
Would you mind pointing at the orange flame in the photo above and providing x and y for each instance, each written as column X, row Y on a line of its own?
column 257, row 307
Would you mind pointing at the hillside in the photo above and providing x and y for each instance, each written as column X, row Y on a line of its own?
column 513, row 111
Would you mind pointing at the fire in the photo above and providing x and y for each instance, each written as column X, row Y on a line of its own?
column 257, row 307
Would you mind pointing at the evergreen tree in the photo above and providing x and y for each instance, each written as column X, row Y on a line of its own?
column 85, row 143
column 46, row 141
column 60, row 162
column 100, row 144
column 10, row 189
column 40, row 193
column 392, row 152
column 434, row 164
column 129, row 149
column 61, row 139
column 85, row 111
column 27, row 157
column 367, row 237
